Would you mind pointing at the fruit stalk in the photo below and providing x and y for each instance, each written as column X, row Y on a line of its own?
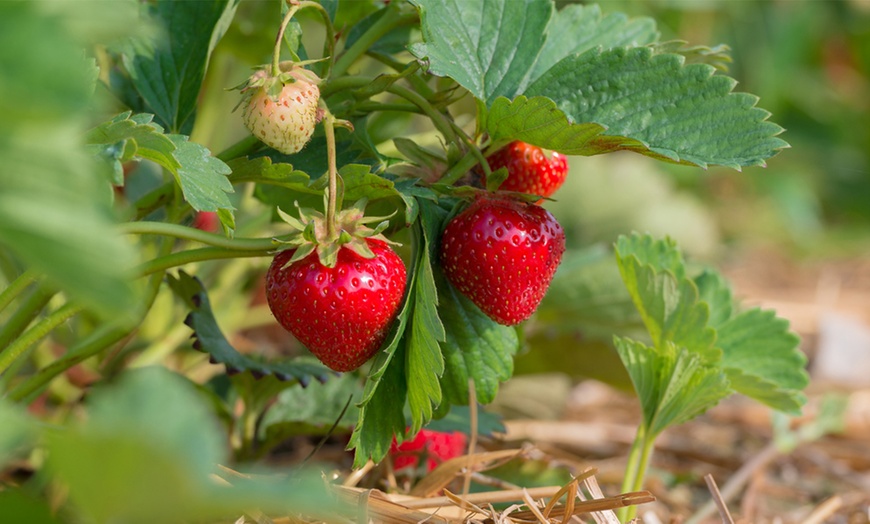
column 16, row 287
column 329, row 43
column 22, row 318
column 190, row 233
column 332, row 173
column 276, row 55
column 33, row 335
column 393, row 17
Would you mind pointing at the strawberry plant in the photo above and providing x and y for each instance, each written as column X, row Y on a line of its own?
column 393, row 106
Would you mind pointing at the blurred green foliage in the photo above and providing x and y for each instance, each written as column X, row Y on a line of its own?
column 809, row 62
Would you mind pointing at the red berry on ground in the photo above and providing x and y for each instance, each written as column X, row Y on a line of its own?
column 435, row 446
column 502, row 254
column 529, row 169
column 341, row 314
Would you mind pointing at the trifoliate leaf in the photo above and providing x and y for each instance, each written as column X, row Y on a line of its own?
column 673, row 384
column 667, row 300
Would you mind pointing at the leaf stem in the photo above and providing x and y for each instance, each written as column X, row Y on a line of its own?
column 35, row 334
column 458, row 169
column 16, row 287
column 189, row 233
column 635, row 470
column 391, row 18
column 102, row 337
column 22, row 318
column 240, row 148
column 441, row 122
column 195, row 255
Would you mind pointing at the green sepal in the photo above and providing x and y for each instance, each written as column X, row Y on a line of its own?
column 301, row 252
column 496, row 179
column 361, row 248
column 328, row 254
column 294, row 222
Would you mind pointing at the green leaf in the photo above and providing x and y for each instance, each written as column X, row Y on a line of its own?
column 718, row 56
column 202, row 177
column 715, row 291
column 381, row 412
column 587, row 296
column 578, row 28
column 311, row 410
column 678, row 112
column 211, row 340
column 424, row 363
column 168, row 71
column 17, row 432
column 667, row 300
column 55, row 214
column 487, row 47
column 476, row 348
column 459, row 419
column 282, row 184
column 22, row 506
column 157, row 462
column 539, row 122
column 673, row 384
column 141, row 137
column 762, row 359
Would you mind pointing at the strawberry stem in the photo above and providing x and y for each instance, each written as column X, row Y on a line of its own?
column 276, row 55
column 329, row 44
column 33, row 335
column 16, row 287
column 332, row 196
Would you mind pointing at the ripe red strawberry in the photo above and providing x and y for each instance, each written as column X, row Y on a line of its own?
column 282, row 111
column 502, row 254
column 530, row 171
column 341, row 313
column 435, row 446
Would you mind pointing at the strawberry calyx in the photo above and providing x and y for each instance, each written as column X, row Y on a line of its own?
column 351, row 231
column 290, row 73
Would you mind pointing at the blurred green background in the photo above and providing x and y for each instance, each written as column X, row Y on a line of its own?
column 809, row 62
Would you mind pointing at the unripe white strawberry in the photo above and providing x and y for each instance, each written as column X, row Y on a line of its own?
column 282, row 111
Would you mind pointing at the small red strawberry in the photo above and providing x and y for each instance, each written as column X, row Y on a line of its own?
column 529, row 169
column 281, row 110
column 435, row 446
column 338, row 297
column 502, row 254
column 206, row 221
